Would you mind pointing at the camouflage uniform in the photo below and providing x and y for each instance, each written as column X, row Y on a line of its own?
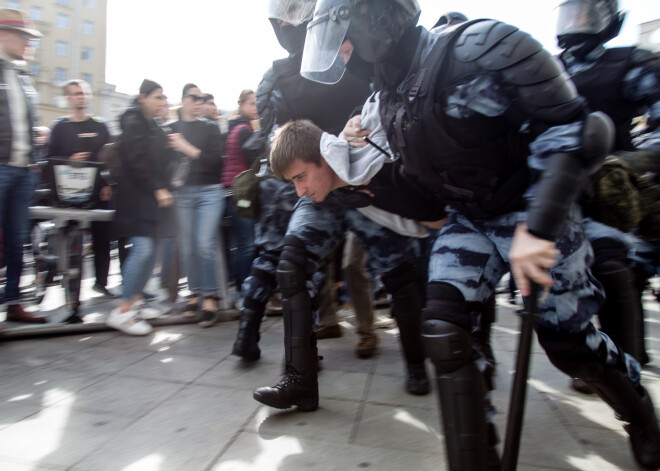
column 322, row 226
column 276, row 202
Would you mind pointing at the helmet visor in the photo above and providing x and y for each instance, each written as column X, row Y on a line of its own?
column 293, row 12
column 582, row 17
column 321, row 61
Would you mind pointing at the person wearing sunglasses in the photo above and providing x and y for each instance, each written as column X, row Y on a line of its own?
column 199, row 202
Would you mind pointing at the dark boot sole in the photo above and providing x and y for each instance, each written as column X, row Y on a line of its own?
column 302, row 406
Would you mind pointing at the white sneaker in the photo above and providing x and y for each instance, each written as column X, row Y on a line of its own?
column 128, row 322
column 146, row 312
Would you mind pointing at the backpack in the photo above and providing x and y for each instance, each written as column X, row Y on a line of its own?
column 614, row 198
column 245, row 190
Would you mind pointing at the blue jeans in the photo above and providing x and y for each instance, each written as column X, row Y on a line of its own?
column 240, row 244
column 199, row 208
column 16, row 188
column 137, row 267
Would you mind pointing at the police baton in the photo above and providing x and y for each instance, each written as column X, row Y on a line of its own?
column 519, row 386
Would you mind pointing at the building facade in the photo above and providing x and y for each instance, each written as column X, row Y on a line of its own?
column 73, row 46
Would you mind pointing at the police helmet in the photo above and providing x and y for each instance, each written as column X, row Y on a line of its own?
column 289, row 19
column 592, row 21
column 374, row 28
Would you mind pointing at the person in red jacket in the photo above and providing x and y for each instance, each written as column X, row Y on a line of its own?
column 238, row 158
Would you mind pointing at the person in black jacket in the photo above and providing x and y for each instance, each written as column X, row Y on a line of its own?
column 140, row 192
column 199, row 202
column 80, row 136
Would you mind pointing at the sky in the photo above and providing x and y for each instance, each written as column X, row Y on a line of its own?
column 225, row 46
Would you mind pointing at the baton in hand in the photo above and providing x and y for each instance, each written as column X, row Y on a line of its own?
column 519, row 385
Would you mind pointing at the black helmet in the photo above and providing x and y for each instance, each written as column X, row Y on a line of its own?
column 585, row 24
column 289, row 19
column 374, row 28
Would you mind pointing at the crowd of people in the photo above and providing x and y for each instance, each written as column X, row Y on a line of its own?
column 432, row 162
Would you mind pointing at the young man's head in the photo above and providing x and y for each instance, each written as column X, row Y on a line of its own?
column 78, row 93
column 296, row 156
column 191, row 101
column 209, row 108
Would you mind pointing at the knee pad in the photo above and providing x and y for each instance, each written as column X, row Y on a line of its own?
column 291, row 269
column 446, row 328
column 446, row 302
column 447, row 345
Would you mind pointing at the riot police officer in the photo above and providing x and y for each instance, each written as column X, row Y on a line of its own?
column 480, row 115
column 284, row 95
column 623, row 82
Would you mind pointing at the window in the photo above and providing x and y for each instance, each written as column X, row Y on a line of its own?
column 64, row 3
column 89, row 3
column 37, row 13
column 87, row 54
column 88, row 27
column 12, row 4
column 60, row 76
column 34, row 69
column 87, row 78
column 62, row 20
column 61, row 48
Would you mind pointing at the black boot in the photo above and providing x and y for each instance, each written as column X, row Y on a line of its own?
column 640, row 281
column 295, row 389
column 632, row 405
column 620, row 315
column 299, row 387
column 246, row 345
column 407, row 310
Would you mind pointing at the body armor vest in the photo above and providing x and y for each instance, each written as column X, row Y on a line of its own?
column 602, row 86
column 476, row 164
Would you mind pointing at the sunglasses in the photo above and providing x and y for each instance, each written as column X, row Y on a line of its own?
column 194, row 97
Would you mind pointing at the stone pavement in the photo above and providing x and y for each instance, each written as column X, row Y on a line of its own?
column 177, row 400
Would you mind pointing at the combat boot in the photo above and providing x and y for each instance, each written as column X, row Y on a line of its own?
column 295, row 389
column 645, row 434
column 634, row 406
column 246, row 345
column 407, row 310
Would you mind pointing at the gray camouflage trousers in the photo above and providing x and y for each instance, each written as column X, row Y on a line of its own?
column 322, row 226
column 473, row 256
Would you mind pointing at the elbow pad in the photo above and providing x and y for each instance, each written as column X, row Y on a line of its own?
column 564, row 177
column 597, row 140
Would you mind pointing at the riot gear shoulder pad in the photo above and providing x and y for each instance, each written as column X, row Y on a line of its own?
column 479, row 38
column 522, row 62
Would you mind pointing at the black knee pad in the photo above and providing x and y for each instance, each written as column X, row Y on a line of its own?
column 446, row 302
column 291, row 269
